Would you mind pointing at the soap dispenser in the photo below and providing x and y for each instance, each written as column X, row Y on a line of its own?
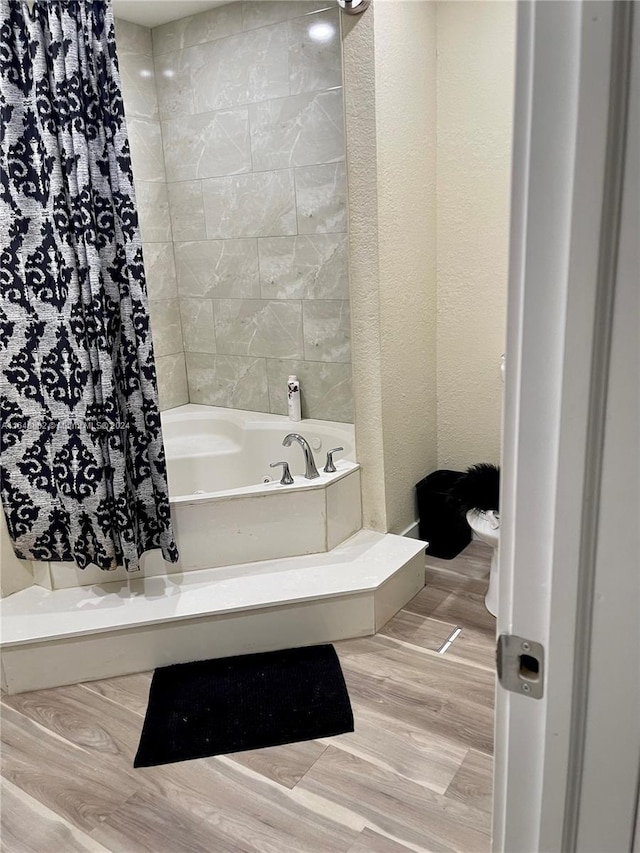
column 293, row 399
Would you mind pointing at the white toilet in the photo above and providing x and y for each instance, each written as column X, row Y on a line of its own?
column 486, row 526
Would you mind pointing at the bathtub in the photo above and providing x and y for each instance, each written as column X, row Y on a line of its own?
column 215, row 453
column 227, row 504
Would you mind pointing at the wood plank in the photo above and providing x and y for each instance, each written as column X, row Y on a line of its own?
column 445, row 698
column 65, row 779
column 396, row 745
column 473, row 562
column 83, row 718
column 419, row 631
column 454, row 598
column 473, row 782
column 474, row 648
column 411, row 813
column 372, row 842
column 361, row 646
column 261, row 815
column 437, row 673
column 460, row 606
column 425, row 633
column 455, row 582
column 109, row 734
column 285, row 764
column 461, row 723
column 30, row 827
column 148, row 823
column 130, row 691
column 470, row 646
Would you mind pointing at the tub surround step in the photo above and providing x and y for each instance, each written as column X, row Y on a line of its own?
column 266, row 522
column 364, row 562
column 55, row 637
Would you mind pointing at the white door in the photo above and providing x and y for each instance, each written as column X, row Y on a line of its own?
column 568, row 764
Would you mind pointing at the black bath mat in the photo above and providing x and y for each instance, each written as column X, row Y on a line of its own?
column 213, row 707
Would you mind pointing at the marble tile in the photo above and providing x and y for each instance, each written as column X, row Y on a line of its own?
column 259, row 327
column 240, row 69
column 198, row 332
column 160, row 270
column 166, row 329
column 325, row 386
column 321, row 199
column 132, row 39
column 147, row 157
column 172, row 381
column 220, row 268
column 224, row 380
column 301, row 130
column 173, row 84
column 153, row 210
column 207, row 145
column 138, row 86
column 256, row 205
column 315, row 55
column 327, row 330
column 187, row 210
column 261, row 13
column 304, row 267
column 207, row 26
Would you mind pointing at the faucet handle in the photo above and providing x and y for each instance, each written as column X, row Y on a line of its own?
column 329, row 467
column 287, row 479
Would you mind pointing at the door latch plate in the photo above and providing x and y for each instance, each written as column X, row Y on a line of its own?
column 520, row 665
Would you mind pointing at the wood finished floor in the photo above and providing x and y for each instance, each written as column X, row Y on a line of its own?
column 415, row 774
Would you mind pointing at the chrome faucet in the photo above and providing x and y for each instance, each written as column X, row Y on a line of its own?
column 311, row 472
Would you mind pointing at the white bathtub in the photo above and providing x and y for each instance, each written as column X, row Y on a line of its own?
column 215, row 453
column 227, row 504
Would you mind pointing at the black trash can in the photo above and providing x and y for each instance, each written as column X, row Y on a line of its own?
column 442, row 523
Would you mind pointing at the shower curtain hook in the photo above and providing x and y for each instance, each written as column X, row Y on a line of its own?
column 354, row 7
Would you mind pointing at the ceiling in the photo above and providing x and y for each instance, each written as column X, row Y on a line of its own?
column 152, row 13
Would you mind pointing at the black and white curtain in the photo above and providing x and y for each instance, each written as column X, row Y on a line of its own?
column 82, row 460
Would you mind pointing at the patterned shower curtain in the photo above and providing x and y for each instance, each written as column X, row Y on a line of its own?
column 82, row 464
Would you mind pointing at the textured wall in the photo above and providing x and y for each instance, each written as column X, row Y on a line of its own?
column 406, row 53
column 476, row 56
column 145, row 137
column 250, row 102
column 390, row 69
column 364, row 277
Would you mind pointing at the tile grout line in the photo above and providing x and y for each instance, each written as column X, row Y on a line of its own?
column 289, row 168
column 243, row 31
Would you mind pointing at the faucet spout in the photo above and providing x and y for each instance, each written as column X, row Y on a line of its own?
column 311, row 472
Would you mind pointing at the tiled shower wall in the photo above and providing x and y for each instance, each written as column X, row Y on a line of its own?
column 250, row 105
column 143, row 122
